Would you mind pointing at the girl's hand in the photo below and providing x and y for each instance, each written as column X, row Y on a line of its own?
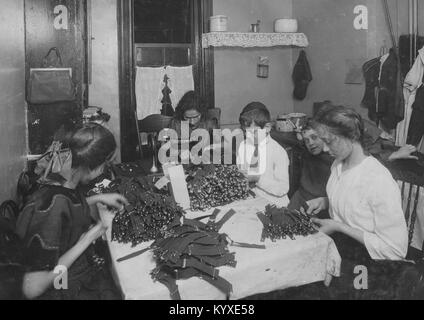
column 404, row 152
column 315, row 206
column 94, row 233
column 113, row 200
column 327, row 226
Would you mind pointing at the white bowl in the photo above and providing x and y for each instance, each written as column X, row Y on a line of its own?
column 286, row 25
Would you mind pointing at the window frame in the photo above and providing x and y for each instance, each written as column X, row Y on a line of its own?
column 203, row 68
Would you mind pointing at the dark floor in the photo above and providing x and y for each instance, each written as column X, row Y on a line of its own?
column 315, row 291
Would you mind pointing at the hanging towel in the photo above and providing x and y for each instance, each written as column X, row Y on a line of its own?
column 148, row 91
column 302, row 76
column 180, row 81
column 412, row 83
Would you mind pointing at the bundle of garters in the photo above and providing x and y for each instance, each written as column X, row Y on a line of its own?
column 147, row 214
column 212, row 186
column 191, row 248
column 280, row 223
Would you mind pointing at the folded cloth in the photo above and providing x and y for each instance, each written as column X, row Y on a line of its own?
column 148, row 90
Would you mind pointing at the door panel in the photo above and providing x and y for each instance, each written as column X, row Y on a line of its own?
column 61, row 24
column 12, row 96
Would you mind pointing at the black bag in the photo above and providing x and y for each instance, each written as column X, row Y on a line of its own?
column 52, row 83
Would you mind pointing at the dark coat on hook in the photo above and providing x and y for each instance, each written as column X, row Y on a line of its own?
column 302, row 76
column 384, row 94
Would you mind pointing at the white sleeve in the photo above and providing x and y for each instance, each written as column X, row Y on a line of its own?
column 277, row 183
column 241, row 156
column 390, row 237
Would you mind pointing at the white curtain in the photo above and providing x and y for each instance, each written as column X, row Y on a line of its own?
column 180, row 81
column 150, row 83
column 148, row 90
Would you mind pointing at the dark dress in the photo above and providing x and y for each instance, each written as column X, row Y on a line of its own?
column 314, row 177
column 316, row 169
column 51, row 224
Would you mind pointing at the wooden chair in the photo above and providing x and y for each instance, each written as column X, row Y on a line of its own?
column 152, row 125
column 412, row 189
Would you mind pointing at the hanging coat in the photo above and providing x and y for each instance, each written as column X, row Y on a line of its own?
column 383, row 95
column 413, row 81
column 390, row 105
column 405, row 51
column 416, row 125
column 302, row 76
column 371, row 70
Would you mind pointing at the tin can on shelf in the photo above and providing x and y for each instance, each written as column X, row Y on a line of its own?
column 218, row 23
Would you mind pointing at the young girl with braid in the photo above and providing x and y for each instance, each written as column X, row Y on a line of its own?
column 59, row 225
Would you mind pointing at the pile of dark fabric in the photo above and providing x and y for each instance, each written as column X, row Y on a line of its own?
column 190, row 248
column 132, row 169
column 127, row 186
column 280, row 223
column 148, row 212
column 211, row 186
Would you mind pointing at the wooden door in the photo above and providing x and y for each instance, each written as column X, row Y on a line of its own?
column 12, row 92
column 61, row 24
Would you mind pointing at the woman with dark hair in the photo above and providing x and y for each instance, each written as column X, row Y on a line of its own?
column 58, row 225
column 364, row 201
column 192, row 109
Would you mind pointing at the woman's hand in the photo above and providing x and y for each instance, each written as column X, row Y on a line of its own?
column 327, row 226
column 315, row 206
column 253, row 178
column 404, row 153
column 113, row 200
column 94, row 233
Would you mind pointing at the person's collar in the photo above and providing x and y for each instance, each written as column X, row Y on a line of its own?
column 262, row 143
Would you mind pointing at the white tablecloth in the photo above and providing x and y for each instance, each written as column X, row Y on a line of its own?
column 283, row 264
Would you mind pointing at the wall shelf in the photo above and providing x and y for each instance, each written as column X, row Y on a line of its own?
column 251, row 39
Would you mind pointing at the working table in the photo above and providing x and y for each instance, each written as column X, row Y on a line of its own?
column 283, row 264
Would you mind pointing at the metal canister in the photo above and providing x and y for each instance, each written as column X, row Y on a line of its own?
column 218, row 23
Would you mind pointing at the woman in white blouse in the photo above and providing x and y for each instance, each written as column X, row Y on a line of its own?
column 363, row 199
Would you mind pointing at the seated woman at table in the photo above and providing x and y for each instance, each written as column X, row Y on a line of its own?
column 263, row 160
column 316, row 163
column 192, row 110
column 58, row 225
column 364, row 201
